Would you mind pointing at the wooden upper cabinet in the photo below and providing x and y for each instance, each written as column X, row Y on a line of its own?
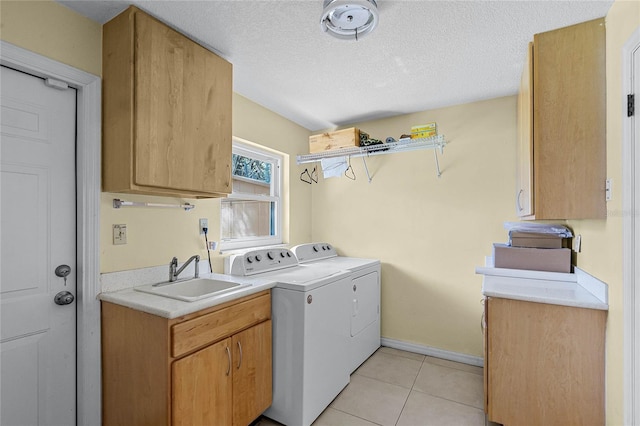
column 568, row 124
column 166, row 111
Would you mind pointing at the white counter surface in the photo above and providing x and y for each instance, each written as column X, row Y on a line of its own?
column 578, row 289
column 172, row 308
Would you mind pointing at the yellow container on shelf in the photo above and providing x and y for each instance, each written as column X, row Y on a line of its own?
column 424, row 130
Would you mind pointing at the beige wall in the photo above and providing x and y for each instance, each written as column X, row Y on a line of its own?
column 430, row 233
column 53, row 31
column 602, row 240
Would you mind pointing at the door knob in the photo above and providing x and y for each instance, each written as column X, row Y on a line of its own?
column 63, row 298
column 62, row 271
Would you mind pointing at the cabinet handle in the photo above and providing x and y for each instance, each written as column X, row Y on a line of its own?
column 518, row 205
column 240, row 360
column 229, row 359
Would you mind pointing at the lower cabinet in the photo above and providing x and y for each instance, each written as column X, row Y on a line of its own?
column 202, row 387
column 213, row 367
column 544, row 364
column 224, row 383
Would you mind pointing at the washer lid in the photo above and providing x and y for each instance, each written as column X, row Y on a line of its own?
column 347, row 263
column 305, row 277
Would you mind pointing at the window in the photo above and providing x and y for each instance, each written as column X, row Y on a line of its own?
column 251, row 215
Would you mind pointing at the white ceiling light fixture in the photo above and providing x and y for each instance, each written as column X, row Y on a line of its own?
column 349, row 19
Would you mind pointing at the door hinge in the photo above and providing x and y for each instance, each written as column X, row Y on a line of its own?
column 630, row 105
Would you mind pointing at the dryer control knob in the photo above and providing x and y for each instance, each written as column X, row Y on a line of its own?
column 282, row 254
column 288, row 254
column 258, row 258
column 270, row 255
column 249, row 259
column 315, row 248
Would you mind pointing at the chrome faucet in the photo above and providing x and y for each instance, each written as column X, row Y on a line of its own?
column 173, row 273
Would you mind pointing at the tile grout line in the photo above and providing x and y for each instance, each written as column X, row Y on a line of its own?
column 410, row 390
column 357, row 417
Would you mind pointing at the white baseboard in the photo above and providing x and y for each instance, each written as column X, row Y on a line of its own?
column 434, row 352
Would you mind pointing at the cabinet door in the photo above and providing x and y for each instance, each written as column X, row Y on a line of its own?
column 183, row 112
column 569, row 122
column 252, row 373
column 202, row 386
column 524, row 168
column 545, row 363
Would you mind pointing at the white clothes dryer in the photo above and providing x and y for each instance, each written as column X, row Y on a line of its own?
column 364, row 296
column 310, row 332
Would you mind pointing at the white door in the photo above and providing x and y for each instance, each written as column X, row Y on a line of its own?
column 38, row 233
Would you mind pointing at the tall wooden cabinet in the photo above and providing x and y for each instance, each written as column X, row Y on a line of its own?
column 212, row 367
column 544, row 364
column 166, row 111
column 561, row 125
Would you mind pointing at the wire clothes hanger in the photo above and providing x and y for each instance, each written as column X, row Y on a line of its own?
column 309, row 178
column 349, row 171
column 305, row 176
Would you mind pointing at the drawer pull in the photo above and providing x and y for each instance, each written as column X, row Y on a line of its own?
column 240, row 360
column 229, row 359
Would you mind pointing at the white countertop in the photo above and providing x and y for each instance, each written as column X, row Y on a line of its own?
column 172, row 308
column 578, row 289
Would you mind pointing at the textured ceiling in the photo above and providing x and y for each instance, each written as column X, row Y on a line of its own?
column 423, row 54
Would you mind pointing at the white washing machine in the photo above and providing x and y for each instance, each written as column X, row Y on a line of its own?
column 310, row 332
column 364, row 296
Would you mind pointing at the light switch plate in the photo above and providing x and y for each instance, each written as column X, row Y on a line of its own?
column 607, row 189
column 119, row 234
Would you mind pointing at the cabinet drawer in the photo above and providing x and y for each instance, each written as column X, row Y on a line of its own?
column 198, row 332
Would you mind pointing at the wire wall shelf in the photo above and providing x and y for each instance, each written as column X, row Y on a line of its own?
column 403, row 145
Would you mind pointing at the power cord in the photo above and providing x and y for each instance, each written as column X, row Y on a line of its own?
column 206, row 242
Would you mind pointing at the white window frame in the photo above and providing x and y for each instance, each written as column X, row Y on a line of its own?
column 248, row 149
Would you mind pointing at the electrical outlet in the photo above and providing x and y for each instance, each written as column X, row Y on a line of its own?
column 204, row 223
column 119, row 234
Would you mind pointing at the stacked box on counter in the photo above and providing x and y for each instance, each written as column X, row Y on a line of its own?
column 537, row 247
column 535, row 259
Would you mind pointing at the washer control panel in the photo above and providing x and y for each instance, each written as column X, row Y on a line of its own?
column 259, row 261
column 314, row 251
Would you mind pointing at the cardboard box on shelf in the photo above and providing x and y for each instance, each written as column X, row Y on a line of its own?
column 346, row 138
column 535, row 259
column 538, row 240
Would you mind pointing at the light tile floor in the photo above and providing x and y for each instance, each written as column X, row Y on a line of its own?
column 398, row 388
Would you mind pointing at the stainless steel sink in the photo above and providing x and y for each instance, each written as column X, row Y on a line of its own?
column 191, row 290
